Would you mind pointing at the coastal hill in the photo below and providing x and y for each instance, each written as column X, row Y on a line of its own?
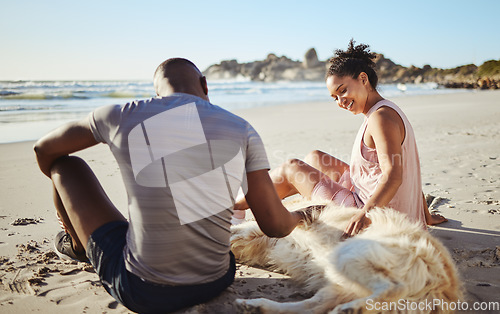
column 274, row 68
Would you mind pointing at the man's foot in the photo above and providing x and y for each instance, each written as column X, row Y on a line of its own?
column 64, row 248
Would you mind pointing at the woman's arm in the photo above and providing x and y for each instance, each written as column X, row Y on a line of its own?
column 386, row 132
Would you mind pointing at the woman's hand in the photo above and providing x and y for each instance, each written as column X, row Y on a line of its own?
column 357, row 223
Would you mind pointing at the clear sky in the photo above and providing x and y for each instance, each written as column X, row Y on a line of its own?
column 108, row 39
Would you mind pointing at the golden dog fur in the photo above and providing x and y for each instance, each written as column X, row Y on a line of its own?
column 393, row 260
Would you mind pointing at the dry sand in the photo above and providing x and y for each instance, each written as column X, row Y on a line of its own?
column 458, row 138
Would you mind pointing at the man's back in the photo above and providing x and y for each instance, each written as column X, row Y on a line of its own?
column 182, row 161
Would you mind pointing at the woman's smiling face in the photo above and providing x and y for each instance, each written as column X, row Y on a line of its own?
column 351, row 94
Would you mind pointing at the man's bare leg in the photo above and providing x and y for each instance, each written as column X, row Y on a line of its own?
column 68, row 227
column 80, row 200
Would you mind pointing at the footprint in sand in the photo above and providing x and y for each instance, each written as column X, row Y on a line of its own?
column 489, row 257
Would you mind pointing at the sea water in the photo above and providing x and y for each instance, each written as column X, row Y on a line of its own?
column 29, row 109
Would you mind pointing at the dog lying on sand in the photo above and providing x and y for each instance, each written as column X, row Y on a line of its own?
column 391, row 266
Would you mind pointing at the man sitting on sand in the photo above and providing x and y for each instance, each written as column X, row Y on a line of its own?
column 182, row 160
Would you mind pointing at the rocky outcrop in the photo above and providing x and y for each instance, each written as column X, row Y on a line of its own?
column 311, row 59
column 274, row 68
column 271, row 69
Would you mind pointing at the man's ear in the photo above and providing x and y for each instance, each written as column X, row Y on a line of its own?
column 204, row 86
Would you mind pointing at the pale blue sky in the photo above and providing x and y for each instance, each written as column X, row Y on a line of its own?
column 128, row 39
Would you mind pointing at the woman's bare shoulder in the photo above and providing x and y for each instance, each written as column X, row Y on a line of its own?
column 385, row 120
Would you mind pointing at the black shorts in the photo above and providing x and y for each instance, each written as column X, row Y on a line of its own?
column 105, row 252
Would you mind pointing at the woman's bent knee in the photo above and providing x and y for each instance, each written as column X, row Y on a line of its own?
column 314, row 158
column 292, row 165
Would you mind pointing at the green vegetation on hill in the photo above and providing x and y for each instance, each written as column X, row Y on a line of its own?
column 490, row 69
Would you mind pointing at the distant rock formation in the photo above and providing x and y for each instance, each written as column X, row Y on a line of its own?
column 274, row 68
column 311, row 59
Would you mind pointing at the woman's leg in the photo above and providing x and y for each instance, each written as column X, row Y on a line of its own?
column 296, row 176
column 432, row 219
column 292, row 177
column 327, row 164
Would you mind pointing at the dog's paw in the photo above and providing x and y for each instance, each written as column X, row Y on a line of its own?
column 247, row 306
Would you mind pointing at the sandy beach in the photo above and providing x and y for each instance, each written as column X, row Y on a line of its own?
column 458, row 137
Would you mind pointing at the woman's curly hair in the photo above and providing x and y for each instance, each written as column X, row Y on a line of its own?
column 353, row 61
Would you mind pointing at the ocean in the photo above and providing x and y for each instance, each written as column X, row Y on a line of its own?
column 29, row 109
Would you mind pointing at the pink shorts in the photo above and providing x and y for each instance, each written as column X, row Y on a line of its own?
column 337, row 192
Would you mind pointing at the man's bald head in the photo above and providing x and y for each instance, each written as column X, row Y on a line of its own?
column 178, row 75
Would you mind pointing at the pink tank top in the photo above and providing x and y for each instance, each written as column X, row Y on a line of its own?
column 365, row 170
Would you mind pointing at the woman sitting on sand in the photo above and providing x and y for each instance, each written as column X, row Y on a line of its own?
column 385, row 167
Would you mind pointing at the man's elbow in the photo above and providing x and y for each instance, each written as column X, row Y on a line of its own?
column 40, row 150
column 37, row 148
column 277, row 232
column 43, row 157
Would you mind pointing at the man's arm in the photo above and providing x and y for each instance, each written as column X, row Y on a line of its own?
column 64, row 140
column 273, row 218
